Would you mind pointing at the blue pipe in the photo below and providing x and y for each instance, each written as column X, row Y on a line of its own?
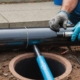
column 44, row 68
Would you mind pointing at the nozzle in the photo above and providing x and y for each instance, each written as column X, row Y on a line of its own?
column 64, row 34
column 36, row 50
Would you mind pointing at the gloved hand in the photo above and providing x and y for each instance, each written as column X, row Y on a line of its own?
column 60, row 19
column 76, row 32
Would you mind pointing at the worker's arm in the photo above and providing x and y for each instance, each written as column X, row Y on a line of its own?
column 69, row 5
column 62, row 16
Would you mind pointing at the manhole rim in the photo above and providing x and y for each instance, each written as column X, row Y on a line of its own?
column 59, row 58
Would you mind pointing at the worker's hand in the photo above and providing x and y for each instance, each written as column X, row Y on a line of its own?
column 76, row 33
column 60, row 19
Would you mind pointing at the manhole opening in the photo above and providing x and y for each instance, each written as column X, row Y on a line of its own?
column 28, row 68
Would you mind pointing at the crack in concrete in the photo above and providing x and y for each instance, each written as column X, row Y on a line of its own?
column 6, row 20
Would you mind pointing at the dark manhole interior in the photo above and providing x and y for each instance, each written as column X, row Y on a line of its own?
column 28, row 68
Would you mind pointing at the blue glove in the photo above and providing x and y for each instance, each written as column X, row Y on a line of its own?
column 76, row 32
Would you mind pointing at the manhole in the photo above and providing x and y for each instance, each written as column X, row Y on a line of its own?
column 25, row 66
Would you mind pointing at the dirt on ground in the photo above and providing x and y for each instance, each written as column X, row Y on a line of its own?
column 7, row 56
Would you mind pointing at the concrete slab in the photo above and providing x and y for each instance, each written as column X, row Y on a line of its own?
column 19, row 1
column 8, row 1
column 3, row 22
column 28, row 6
column 29, row 14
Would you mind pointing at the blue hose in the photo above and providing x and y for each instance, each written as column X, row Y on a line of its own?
column 44, row 68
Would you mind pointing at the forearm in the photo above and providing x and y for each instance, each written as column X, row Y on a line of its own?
column 69, row 5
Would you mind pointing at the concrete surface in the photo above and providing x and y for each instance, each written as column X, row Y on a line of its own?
column 27, row 14
column 20, row 1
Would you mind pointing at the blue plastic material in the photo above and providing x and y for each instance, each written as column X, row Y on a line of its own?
column 76, row 33
column 58, row 2
column 47, row 75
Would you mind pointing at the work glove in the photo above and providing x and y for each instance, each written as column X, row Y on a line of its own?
column 76, row 32
column 60, row 19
